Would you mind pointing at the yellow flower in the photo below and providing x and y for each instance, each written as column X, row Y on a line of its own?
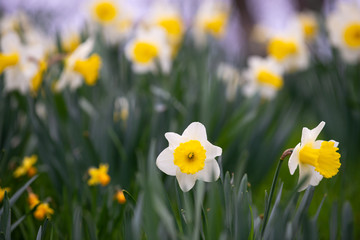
column 89, row 68
column 70, row 41
column 27, row 167
column 120, row 197
column 99, row 175
column 7, row 60
column 37, row 79
column 2, row 193
column 309, row 25
column 43, row 210
column 316, row 158
column 33, row 200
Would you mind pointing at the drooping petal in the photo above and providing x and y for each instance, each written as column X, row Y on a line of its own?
column 294, row 159
column 311, row 135
column 212, row 151
column 165, row 162
column 312, row 177
column 195, row 131
column 210, row 172
column 174, row 139
column 186, row 181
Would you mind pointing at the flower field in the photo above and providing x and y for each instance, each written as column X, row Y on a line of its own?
column 179, row 120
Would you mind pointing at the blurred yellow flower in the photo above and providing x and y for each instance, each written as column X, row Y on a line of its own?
column 89, row 68
column 99, row 175
column 120, row 196
column 344, row 30
column 7, row 60
column 316, row 158
column 70, row 41
column 43, row 210
column 27, row 167
column 33, row 200
column 2, row 193
column 309, row 25
column 36, row 81
column 282, row 48
column 104, row 11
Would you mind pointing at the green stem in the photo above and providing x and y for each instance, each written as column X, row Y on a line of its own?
column 267, row 209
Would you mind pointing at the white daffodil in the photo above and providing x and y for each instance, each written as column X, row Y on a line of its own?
column 316, row 158
column 189, row 157
column 149, row 49
column 231, row 77
column 211, row 19
column 70, row 39
column 167, row 17
column 20, row 64
column 263, row 75
column 79, row 66
column 113, row 18
column 309, row 25
column 288, row 47
column 344, row 30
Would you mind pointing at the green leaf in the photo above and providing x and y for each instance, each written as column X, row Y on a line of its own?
column 5, row 219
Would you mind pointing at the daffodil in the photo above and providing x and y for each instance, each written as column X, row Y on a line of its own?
column 43, row 210
column 121, row 109
column 33, row 200
column 149, row 49
column 316, row 158
column 287, row 46
column 309, row 25
column 189, row 157
column 79, row 67
column 2, row 193
column 263, row 75
column 70, row 39
column 231, row 77
column 211, row 20
column 27, row 167
column 99, row 175
column 120, row 196
column 344, row 30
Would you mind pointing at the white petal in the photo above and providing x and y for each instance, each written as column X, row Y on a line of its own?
column 210, row 172
column 165, row 162
column 311, row 135
column 212, row 151
column 174, row 140
column 294, row 159
column 336, row 144
column 195, row 131
column 313, row 177
column 186, row 181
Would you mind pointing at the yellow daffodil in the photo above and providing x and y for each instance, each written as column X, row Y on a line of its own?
column 99, row 175
column 33, row 200
column 231, row 77
column 211, row 19
column 79, row 66
column 120, row 196
column 149, row 49
column 43, row 210
column 316, row 158
column 2, row 193
column 263, row 75
column 344, row 30
column 189, row 157
column 27, row 167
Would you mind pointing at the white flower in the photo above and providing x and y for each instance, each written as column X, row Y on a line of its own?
column 316, row 158
column 344, row 31
column 189, row 157
column 231, row 77
column 18, row 62
column 211, row 19
column 263, row 75
column 288, row 47
column 148, row 49
column 309, row 24
column 79, row 67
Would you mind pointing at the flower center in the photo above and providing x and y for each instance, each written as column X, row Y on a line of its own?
column 173, row 26
column 267, row 78
column 71, row 43
column 216, row 25
column 326, row 160
column 7, row 60
column 144, row 52
column 105, row 11
column 309, row 28
column 190, row 157
column 281, row 49
column 89, row 68
column 352, row 35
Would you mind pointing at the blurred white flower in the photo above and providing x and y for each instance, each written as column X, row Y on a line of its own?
column 189, row 157
column 79, row 66
column 211, row 19
column 121, row 109
column 149, row 49
column 316, row 158
column 231, row 77
column 263, row 75
column 344, row 30
column 309, row 24
column 287, row 46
